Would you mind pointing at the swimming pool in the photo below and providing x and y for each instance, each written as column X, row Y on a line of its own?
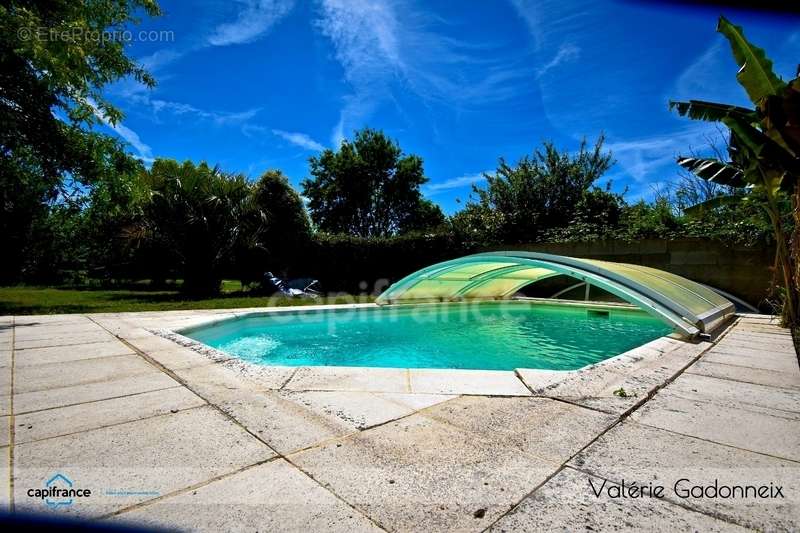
column 488, row 336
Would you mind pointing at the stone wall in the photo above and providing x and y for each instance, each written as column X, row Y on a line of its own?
column 743, row 271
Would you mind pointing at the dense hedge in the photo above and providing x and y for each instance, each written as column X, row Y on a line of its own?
column 357, row 265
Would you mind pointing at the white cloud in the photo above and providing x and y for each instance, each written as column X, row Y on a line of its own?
column 566, row 53
column 159, row 58
column 364, row 36
column 220, row 118
column 711, row 76
column 145, row 153
column 653, row 157
column 252, row 22
column 551, row 20
column 455, row 183
column 381, row 44
column 224, row 118
column 300, row 139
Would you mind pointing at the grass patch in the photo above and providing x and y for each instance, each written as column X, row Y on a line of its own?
column 25, row 300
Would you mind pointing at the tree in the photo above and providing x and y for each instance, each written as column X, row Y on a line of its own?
column 541, row 192
column 55, row 58
column 79, row 236
column 427, row 216
column 764, row 150
column 281, row 229
column 201, row 215
column 368, row 188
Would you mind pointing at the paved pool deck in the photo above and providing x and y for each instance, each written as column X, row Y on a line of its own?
column 165, row 435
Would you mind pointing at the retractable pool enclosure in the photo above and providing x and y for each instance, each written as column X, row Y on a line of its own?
column 687, row 306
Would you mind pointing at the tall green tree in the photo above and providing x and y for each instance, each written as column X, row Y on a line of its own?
column 55, row 58
column 520, row 203
column 280, row 226
column 201, row 215
column 368, row 188
column 764, row 150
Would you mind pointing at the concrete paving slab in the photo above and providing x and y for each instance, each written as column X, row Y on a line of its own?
column 274, row 496
column 5, row 479
column 261, row 376
column 85, row 371
column 415, row 401
column 418, row 474
column 768, row 321
column 154, row 343
column 49, row 331
column 749, row 429
column 484, row 382
column 179, row 357
column 31, row 320
column 746, row 374
column 423, row 471
column 63, row 396
column 63, row 354
column 783, row 342
column 645, row 455
column 755, row 353
column 761, row 346
column 76, row 418
column 216, row 380
column 618, row 384
column 752, row 360
column 6, row 340
column 759, row 330
column 780, row 338
column 566, row 503
column 760, row 325
column 117, row 325
column 359, row 410
column 284, row 425
column 540, row 381
column 65, row 340
column 5, row 390
column 734, row 393
column 542, row 427
column 344, row 378
column 5, row 431
column 141, row 459
column 607, row 390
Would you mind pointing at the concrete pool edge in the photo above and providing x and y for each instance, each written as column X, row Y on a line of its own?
column 622, row 380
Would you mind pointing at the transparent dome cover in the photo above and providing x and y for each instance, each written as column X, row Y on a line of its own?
column 687, row 306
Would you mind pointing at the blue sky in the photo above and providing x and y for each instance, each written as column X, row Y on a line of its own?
column 258, row 84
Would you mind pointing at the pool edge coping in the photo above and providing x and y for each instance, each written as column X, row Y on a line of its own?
column 517, row 382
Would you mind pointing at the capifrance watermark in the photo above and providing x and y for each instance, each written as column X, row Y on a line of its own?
column 333, row 309
column 88, row 35
column 61, row 490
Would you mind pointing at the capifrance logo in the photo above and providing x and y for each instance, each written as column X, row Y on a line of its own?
column 59, row 491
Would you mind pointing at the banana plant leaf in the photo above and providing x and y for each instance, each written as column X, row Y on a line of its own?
column 711, row 204
column 755, row 69
column 778, row 165
column 781, row 117
column 712, row 111
column 714, row 170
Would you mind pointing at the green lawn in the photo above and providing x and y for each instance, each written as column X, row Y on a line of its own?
column 24, row 300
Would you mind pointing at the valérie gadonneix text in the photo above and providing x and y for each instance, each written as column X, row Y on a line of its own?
column 685, row 488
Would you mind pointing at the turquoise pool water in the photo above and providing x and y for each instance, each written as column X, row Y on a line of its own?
column 492, row 336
